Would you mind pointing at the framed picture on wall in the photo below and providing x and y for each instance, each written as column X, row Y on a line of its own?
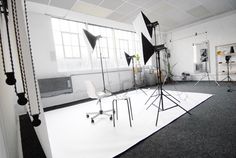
column 201, row 57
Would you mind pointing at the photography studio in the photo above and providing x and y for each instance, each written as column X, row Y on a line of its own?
column 118, row 78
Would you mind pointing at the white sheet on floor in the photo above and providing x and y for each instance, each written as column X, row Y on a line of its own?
column 72, row 135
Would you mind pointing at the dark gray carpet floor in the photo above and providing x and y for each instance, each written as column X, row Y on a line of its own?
column 210, row 132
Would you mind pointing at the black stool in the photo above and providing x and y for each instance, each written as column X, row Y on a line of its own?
column 114, row 103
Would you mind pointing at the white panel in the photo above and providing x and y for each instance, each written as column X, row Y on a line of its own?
column 96, row 2
column 126, row 8
column 91, row 9
column 63, row 4
column 184, row 4
column 115, row 16
column 161, row 7
column 36, row 7
column 150, row 3
column 199, row 12
column 57, row 12
column 139, row 2
column 111, row 4
column 217, row 6
column 179, row 17
column 40, row 1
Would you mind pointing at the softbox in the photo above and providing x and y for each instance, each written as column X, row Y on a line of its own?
column 148, row 48
column 128, row 58
column 90, row 39
column 143, row 25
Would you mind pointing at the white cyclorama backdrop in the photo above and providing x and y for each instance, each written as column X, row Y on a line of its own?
column 220, row 30
column 75, row 136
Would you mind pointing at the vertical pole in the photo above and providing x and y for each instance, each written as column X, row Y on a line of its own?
column 134, row 84
column 103, row 79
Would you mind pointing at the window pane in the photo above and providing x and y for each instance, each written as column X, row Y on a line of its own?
column 74, row 40
column 57, row 38
column 64, row 26
column 73, row 27
column 68, row 51
column 66, row 39
column 76, row 51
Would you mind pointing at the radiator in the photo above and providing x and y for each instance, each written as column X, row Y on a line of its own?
column 55, row 86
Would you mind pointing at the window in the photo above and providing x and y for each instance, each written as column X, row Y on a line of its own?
column 124, row 43
column 102, row 47
column 123, row 47
column 70, row 42
column 72, row 52
column 106, row 45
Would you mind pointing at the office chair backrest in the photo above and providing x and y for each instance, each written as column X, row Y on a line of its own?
column 91, row 91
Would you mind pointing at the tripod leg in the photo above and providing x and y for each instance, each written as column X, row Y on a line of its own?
column 177, row 104
column 153, row 102
column 171, row 95
column 224, row 78
column 208, row 77
column 199, row 80
column 151, row 96
column 158, row 111
column 143, row 91
column 164, row 80
column 217, row 83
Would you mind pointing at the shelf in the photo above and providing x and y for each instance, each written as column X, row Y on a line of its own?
column 221, row 52
column 230, row 63
column 224, row 55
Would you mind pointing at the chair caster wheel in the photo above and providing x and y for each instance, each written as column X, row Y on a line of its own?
column 92, row 121
column 87, row 116
column 110, row 117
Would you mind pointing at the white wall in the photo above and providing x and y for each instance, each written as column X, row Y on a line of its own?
column 220, row 30
column 42, row 44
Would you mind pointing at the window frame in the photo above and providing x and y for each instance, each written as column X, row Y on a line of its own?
column 63, row 45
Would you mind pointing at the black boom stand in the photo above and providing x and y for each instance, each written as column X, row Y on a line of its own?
column 148, row 50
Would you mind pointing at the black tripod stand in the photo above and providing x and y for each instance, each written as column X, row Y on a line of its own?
column 229, row 79
column 128, row 59
column 161, row 92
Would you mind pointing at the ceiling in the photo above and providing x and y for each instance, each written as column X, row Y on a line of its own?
column 170, row 14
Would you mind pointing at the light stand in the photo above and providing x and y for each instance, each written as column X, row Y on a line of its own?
column 229, row 79
column 206, row 74
column 92, row 41
column 128, row 59
column 148, row 50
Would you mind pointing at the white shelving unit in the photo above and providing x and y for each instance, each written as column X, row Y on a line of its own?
column 221, row 66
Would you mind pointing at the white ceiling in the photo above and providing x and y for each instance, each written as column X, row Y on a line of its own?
column 169, row 13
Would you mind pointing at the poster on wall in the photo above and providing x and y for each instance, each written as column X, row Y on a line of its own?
column 201, row 57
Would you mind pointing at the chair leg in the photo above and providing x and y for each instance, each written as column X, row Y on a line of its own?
column 131, row 109
column 116, row 110
column 129, row 112
column 113, row 113
column 100, row 112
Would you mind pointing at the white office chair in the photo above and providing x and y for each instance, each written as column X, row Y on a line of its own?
column 92, row 93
